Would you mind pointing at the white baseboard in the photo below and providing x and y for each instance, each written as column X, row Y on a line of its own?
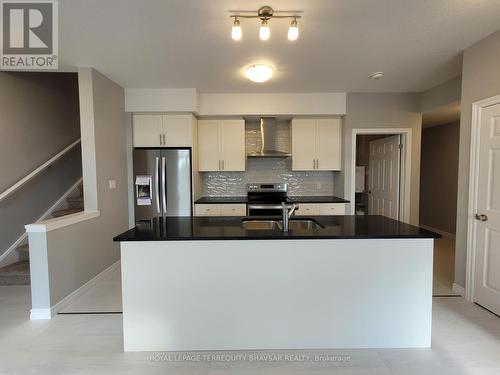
column 7, row 256
column 40, row 314
column 458, row 289
column 49, row 313
column 441, row 232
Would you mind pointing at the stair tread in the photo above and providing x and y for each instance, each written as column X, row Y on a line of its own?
column 23, row 248
column 67, row 211
column 19, row 268
column 75, row 199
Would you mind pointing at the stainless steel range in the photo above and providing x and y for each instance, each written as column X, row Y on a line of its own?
column 266, row 199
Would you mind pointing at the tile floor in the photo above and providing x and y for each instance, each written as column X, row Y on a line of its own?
column 103, row 296
column 466, row 340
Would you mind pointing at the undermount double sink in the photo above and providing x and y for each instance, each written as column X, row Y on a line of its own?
column 293, row 224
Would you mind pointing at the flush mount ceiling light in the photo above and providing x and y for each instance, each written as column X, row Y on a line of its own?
column 259, row 73
column 376, row 75
column 265, row 14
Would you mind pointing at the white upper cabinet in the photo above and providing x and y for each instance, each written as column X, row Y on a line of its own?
column 208, row 145
column 316, row 144
column 221, row 145
column 148, row 130
column 328, row 144
column 303, row 144
column 162, row 130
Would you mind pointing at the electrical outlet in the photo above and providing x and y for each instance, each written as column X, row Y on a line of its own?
column 112, row 184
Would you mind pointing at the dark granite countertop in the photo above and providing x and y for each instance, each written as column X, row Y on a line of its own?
column 298, row 199
column 229, row 228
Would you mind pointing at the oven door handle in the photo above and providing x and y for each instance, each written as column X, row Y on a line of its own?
column 264, row 207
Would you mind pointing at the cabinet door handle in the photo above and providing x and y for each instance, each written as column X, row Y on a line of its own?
column 164, row 140
column 219, row 166
column 161, row 140
column 222, row 164
column 317, row 163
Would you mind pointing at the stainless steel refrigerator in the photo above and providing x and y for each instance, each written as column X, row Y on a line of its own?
column 162, row 182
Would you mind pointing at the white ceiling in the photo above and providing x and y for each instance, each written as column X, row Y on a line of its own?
column 187, row 43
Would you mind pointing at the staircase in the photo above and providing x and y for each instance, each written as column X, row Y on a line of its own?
column 19, row 273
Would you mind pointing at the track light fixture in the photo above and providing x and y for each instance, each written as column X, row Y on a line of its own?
column 265, row 14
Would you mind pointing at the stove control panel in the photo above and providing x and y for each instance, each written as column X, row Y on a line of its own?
column 272, row 188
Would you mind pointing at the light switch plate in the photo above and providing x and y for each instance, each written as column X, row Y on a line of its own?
column 112, row 184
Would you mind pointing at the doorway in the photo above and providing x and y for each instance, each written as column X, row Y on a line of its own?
column 381, row 172
column 378, row 174
column 438, row 189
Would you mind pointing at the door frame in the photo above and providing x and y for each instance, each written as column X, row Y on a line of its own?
column 405, row 178
column 477, row 111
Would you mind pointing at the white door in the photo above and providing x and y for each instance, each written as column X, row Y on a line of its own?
column 328, row 144
column 232, row 141
column 208, row 145
column 303, row 145
column 487, row 228
column 147, row 130
column 384, row 174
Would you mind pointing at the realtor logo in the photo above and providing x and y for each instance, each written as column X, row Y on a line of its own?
column 29, row 35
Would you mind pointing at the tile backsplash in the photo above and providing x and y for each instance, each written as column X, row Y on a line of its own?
column 267, row 170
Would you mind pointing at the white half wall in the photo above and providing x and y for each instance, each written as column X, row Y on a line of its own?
column 237, row 104
column 306, row 294
column 321, row 104
column 161, row 100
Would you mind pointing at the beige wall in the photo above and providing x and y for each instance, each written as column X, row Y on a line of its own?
column 39, row 117
column 77, row 252
column 480, row 80
column 441, row 95
column 87, row 248
column 438, row 177
column 380, row 110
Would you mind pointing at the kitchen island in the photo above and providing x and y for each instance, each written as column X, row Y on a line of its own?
column 221, row 283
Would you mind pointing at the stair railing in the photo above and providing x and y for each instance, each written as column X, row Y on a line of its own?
column 38, row 170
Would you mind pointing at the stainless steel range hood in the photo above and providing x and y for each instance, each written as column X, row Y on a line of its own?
column 268, row 135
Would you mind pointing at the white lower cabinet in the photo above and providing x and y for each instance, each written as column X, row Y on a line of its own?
column 307, row 209
column 229, row 209
column 233, row 209
column 320, row 209
column 240, row 209
column 332, row 209
column 207, row 210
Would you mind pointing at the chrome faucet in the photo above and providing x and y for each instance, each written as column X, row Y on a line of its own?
column 288, row 210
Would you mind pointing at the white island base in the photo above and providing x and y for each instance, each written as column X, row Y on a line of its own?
column 276, row 294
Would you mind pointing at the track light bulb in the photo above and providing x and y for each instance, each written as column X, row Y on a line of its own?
column 265, row 31
column 293, row 31
column 236, row 30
